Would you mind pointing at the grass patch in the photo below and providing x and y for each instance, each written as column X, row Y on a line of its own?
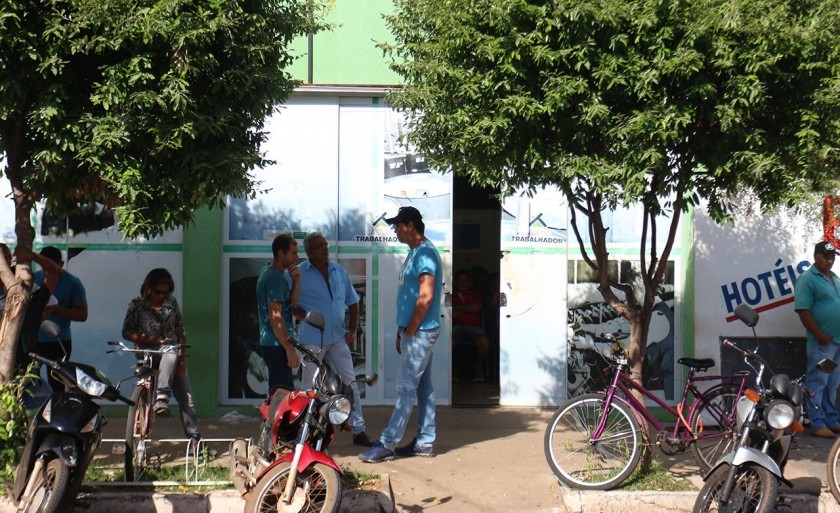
column 656, row 477
column 353, row 479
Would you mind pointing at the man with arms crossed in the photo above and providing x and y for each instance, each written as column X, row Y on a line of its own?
column 418, row 327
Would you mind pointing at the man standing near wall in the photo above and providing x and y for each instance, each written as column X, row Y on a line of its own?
column 274, row 307
column 72, row 307
column 418, row 327
column 817, row 302
column 325, row 287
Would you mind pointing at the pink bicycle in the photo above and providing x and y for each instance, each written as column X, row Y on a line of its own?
column 595, row 441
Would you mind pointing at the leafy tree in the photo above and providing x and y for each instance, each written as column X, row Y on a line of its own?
column 153, row 108
column 657, row 103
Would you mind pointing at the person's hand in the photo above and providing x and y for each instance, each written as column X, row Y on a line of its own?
column 349, row 337
column 292, row 357
column 257, row 366
column 294, row 272
column 824, row 339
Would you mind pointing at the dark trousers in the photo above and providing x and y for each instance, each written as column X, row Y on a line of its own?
column 279, row 372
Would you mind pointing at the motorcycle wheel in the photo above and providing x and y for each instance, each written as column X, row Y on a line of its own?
column 50, row 485
column 318, row 490
column 834, row 470
column 714, row 420
column 135, row 435
column 755, row 491
column 602, row 465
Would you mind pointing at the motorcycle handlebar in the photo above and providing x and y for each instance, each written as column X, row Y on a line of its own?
column 46, row 361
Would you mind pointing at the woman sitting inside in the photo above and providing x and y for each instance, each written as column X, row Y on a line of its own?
column 466, row 322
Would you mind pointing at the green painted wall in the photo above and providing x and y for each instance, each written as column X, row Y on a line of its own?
column 202, row 306
column 347, row 54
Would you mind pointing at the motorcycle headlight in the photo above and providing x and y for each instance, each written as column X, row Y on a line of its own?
column 338, row 409
column 89, row 385
column 779, row 414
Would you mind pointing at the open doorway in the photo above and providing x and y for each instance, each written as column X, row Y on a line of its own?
column 475, row 254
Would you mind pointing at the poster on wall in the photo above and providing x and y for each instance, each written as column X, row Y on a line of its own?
column 590, row 318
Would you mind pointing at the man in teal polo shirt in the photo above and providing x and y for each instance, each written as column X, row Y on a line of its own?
column 818, row 305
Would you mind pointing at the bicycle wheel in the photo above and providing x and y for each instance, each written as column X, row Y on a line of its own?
column 599, row 465
column 713, row 426
column 136, row 431
column 833, row 470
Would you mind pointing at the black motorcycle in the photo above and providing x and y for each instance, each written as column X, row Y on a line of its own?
column 747, row 479
column 62, row 437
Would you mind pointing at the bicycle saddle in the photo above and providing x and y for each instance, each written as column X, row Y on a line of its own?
column 699, row 364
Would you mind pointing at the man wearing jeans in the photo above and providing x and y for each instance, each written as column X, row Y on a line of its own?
column 817, row 302
column 418, row 327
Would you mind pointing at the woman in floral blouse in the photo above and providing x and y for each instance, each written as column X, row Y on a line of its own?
column 154, row 319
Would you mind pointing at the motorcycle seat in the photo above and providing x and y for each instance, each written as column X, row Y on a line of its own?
column 697, row 363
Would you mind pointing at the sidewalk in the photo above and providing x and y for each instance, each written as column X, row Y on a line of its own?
column 489, row 460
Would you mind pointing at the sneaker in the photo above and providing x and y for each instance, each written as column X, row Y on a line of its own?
column 377, row 454
column 362, row 439
column 162, row 408
column 836, row 429
column 412, row 449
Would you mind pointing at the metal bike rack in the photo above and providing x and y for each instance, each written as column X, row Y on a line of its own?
column 192, row 462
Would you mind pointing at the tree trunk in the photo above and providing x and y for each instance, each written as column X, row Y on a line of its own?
column 18, row 287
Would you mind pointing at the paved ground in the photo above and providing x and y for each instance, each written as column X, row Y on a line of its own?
column 489, row 460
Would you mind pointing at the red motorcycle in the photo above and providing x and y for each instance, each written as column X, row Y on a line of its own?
column 287, row 469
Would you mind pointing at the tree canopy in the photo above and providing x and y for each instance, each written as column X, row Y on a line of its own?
column 152, row 108
column 156, row 108
column 657, row 103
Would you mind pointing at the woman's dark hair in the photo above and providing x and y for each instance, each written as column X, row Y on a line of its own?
column 154, row 278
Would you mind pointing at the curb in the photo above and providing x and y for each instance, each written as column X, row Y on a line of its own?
column 579, row 501
column 219, row 501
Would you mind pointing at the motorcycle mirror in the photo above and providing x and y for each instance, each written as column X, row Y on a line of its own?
column 315, row 319
column 826, row 365
column 51, row 328
column 747, row 315
column 372, row 380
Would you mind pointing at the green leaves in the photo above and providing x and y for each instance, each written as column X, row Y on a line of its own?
column 13, row 422
column 154, row 108
column 642, row 98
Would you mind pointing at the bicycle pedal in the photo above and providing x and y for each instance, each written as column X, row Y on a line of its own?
column 118, row 449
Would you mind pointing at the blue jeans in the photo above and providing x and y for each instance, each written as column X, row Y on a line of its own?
column 341, row 360
column 414, row 382
column 824, row 387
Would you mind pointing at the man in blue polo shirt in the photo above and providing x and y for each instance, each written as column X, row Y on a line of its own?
column 818, row 305
column 325, row 287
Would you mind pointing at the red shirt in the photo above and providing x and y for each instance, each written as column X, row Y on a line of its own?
column 467, row 298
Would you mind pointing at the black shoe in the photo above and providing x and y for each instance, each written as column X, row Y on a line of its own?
column 362, row 439
column 412, row 449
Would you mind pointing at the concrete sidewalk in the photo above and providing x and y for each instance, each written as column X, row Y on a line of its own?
column 489, row 460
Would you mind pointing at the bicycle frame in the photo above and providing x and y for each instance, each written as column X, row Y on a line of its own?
column 682, row 431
